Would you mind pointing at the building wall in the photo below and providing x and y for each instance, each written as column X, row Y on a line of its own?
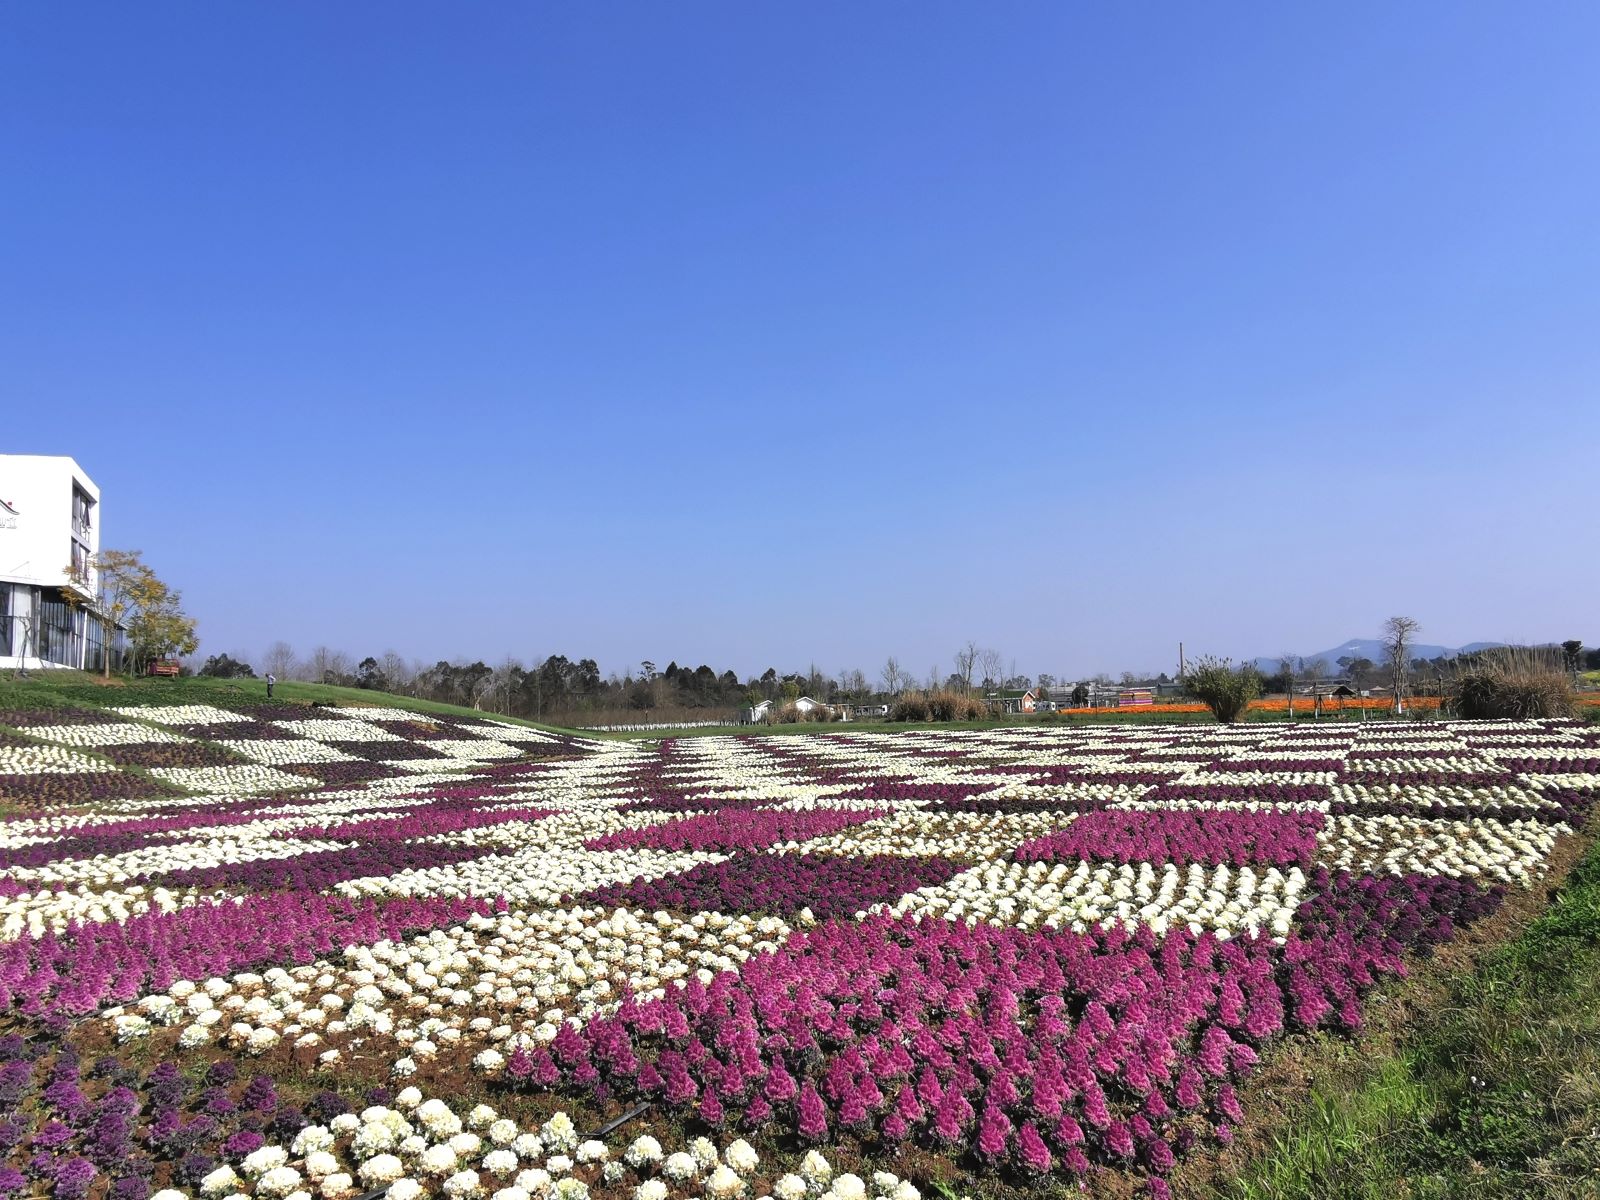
column 41, row 533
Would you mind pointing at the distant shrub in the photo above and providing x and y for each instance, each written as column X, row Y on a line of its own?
column 941, row 705
column 1514, row 683
column 1226, row 691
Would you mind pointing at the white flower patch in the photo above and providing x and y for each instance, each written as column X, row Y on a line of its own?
column 1501, row 851
column 1454, row 765
column 538, row 876
column 232, row 781
column 114, row 733
column 1440, row 795
column 1185, row 803
column 279, row 751
column 478, row 750
column 507, row 732
column 1051, row 895
column 1257, row 778
column 48, row 760
column 47, row 910
column 180, row 714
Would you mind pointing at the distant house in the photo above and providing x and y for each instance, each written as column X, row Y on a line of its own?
column 806, row 704
column 1012, row 701
column 756, row 714
column 865, row 712
column 1341, row 688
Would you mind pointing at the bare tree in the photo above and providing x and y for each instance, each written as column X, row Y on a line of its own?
column 993, row 666
column 893, row 677
column 278, row 661
column 395, row 671
column 966, row 660
column 326, row 665
column 1288, row 666
column 1398, row 634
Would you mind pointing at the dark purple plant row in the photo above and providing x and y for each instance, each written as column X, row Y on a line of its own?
column 1216, row 836
column 780, row 885
column 341, row 774
column 54, row 977
column 236, row 731
column 907, row 789
column 1063, row 802
column 74, row 1128
column 659, row 799
column 85, row 845
column 321, row 869
column 28, row 718
column 95, row 788
column 171, row 754
column 1233, row 793
column 1569, row 805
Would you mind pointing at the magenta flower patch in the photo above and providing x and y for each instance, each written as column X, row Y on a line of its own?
column 1217, row 836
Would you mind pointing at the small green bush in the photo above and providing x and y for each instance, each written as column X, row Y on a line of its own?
column 1226, row 691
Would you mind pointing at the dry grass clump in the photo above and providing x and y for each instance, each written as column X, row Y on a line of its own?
column 941, row 705
column 790, row 714
column 1513, row 683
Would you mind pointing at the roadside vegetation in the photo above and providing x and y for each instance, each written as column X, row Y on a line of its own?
column 1493, row 1094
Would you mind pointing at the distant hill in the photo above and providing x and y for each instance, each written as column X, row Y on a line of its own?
column 1372, row 648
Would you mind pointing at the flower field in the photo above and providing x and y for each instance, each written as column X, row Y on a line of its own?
column 291, row 952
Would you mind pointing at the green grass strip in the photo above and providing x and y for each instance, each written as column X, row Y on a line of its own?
column 1494, row 1095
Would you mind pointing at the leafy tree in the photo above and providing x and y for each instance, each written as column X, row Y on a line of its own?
column 1572, row 654
column 1225, row 691
column 1080, row 695
column 222, row 666
column 119, row 590
column 370, row 675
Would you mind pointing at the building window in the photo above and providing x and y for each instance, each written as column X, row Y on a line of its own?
column 80, row 560
column 82, row 512
column 5, row 619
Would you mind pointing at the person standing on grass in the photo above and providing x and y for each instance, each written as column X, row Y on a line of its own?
column 271, row 679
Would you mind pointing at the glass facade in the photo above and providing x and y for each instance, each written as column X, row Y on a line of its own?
column 59, row 626
column 5, row 619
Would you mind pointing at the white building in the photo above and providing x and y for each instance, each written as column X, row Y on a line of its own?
column 49, row 530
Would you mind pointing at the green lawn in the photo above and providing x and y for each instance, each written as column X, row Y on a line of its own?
column 55, row 689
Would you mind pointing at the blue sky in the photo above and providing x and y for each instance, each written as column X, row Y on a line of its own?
column 763, row 335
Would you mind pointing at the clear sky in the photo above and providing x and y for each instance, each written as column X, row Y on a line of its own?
column 761, row 334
